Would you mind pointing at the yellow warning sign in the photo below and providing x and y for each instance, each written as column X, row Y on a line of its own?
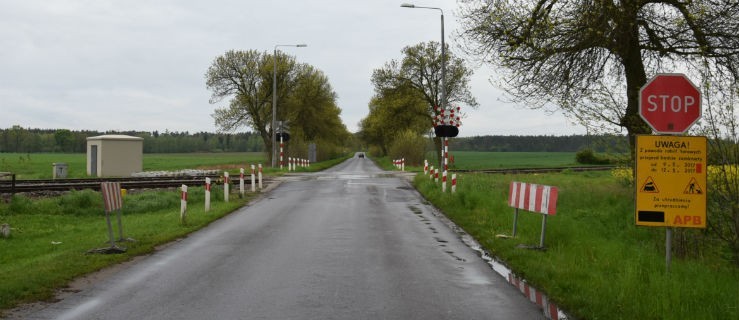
column 671, row 172
column 693, row 187
column 649, row 186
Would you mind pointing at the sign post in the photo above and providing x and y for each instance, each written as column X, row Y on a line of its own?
column 671, row 169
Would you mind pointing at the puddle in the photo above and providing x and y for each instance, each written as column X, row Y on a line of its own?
column 550, row 309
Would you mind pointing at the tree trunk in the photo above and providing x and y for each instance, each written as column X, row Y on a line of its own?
column 635, row 78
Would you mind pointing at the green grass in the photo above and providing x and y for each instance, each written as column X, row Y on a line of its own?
column 32, row 267
column 598, row 264
column 39, row 165
column 496, row 160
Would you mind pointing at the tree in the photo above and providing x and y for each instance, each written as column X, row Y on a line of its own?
column 246, row 78
column 420, row 70
column 419, row 75
column 311, row 108
column 391, row 113
column 575, row 53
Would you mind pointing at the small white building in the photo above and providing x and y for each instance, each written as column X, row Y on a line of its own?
column 114, row 155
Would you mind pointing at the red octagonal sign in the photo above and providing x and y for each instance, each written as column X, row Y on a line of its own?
column 670, row 103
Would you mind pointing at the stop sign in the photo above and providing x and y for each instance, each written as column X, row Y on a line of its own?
column 670, row 103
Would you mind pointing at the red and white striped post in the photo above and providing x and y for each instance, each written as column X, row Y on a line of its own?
column 282, row 153
column 431, row 173
column 113, row 202
column 207, row 194
column 253, row 177
column 225, row 186
column 454, row 183
column 446, row 154
column 443, row 182
column 436, row 175
column 241, row 182
column 260, row 176
column 402, row 164
column 425, row 166
column 183, row 205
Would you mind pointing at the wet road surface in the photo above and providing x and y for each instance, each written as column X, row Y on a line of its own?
column 352, row 242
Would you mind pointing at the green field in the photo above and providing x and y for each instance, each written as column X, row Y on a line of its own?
column 495, row 160
column 39, row 165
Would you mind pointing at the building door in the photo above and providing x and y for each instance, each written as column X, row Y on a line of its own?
column 94, row 160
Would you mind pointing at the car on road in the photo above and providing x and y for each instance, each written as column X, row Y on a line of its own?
column 361, row 155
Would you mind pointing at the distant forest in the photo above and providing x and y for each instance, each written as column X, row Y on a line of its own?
column 22, row 140
column 572, row 143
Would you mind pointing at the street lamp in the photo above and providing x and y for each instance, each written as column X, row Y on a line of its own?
column 274, row 98
column 443, row 68
column 443, row 50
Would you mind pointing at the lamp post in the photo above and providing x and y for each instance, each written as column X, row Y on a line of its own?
column 274, row 99
column 443, row 70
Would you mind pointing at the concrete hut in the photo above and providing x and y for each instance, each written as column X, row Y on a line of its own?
column 114, row 155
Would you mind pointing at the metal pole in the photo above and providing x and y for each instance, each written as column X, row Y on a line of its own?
column 543, row 230
column 515, row 222
column 668, row 249
column 274, row 107
column 444, row 160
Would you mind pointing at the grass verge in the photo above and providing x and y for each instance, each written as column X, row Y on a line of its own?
column 598, row 264
column 50, row 237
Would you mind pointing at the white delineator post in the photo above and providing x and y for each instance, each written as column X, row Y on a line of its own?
column 183, row 205
column 225, row 186
column 436, row 175
column 207, row 194
column 253, row 183
column 443, row 181
column 241, row 182
column 425, row 166
column 260, row 176
column 402, row 164
column 454, row 182
column 431, row 172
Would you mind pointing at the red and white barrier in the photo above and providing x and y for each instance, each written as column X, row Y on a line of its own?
column 454, row 183
column 253, row 178
column 550, row 308
column 260, row 176
column 425, row 166
column 225, row 186
column 207, row 194
column 533, row 197
column 183, row 205
column 436, row 175
column 431, row 173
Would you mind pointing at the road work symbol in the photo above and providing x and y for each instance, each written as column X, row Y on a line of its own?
column 693, row 187
column 649, row 186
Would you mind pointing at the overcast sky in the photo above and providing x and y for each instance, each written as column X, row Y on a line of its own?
column 140, row 65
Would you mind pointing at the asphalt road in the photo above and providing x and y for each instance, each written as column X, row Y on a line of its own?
column 352, row 242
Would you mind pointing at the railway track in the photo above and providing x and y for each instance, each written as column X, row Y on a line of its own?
column 7, row 186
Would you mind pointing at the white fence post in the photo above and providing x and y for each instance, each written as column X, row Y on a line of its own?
column 253, row 183
column 225, row 186
column 183, row 205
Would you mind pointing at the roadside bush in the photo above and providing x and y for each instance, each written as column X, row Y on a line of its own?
column 408, row 145
column 587, row 156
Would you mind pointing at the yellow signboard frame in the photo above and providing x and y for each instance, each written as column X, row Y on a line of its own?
column 671, row 181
